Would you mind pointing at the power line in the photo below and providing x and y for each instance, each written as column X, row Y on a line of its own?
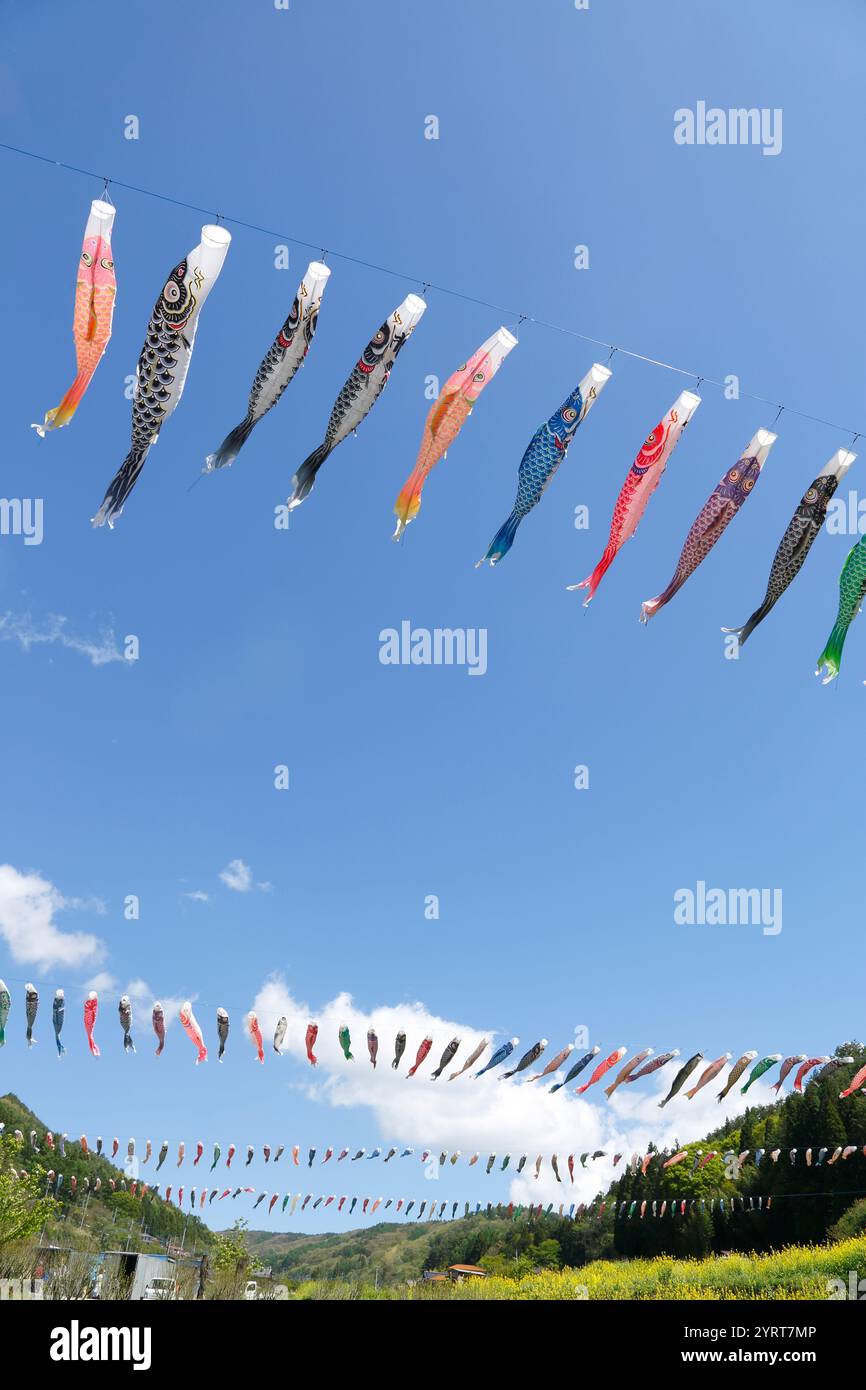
column 552, row 327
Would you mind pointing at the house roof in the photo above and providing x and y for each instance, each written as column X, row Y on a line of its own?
column 467, row 1269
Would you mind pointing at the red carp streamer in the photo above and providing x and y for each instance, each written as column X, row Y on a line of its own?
column 602, row 1067
column 421, row 1054
column 855, row 1083
column 312, row 1034
column 189, row 1024
column 641, row 482
column 91, row 1006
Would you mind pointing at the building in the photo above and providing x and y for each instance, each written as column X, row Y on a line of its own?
column 458, row 1272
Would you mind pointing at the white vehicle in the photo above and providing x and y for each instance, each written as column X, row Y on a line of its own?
column 251, row 1289
column 160, row 1288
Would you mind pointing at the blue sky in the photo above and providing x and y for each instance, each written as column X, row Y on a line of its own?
column 260, row 647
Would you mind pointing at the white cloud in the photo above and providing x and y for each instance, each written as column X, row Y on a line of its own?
column 490, row 1115
column 101, row 982
column 28, row 904
column 238, row 876
column 197, row 896
column 28, row 632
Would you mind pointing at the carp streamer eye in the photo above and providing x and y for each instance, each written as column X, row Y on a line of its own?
column 569, row 414
column 172, row 292
column 87, row 258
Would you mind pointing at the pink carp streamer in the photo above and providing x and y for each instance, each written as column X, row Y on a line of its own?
column 788, row 1065
column 627, row 1070
column 602, row 1067
column 255, row 1034
column 310, row 1043
column 95, row 291
column 714, row 517
column 641, row 482
column 91, row 1007
column 708, row 1074
column 447, row 417
column 189, row 1024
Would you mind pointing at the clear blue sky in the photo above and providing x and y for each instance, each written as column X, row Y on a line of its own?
column 260, row 647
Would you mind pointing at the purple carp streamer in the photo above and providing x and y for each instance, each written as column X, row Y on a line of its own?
column 360, row 392
column 714, row 517
column 157, row 1019
column 446, row 418
column 279, row 365
column 164, row 362
column 801, row 532
column 372, row 1046
column 656, row 1063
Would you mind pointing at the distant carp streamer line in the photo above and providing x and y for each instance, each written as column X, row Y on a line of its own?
column 641, row 482
column 544, row 453
column 801, row 533
column 852, row 588
column 446, row 418
column 279, row 365
column 95, row 290
column 360, row 392
column 164, row 362
column 714, row 517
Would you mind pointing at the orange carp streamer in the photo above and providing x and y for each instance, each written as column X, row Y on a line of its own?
column 95, row 291
column 447, row 417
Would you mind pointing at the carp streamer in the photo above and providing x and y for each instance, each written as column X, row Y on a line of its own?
column 447, row 417
column 91, row 1008
column 714, row 517
column 95, row 290
column 360, row 392
column 641, row 482
column 189, row 1024
column 801, row 532
column 164, row 362
column 279, row 365
column 544, row 453
column 852, row 587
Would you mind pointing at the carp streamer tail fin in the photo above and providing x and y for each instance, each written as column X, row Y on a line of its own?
column 230, row 447
column 651, row 606
column 597, row 575
column 831, row 656
column 302, row 483
column 743, row 633
column 502, row 541
column 408, row 503
column 120, row 487
column 61, row 414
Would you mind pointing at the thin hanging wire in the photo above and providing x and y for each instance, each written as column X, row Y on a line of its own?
column 439, row 289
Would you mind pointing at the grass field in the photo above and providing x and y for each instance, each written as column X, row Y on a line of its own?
column 800, row 1272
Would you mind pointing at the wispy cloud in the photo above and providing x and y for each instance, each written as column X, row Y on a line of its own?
column 239, row 877
column 28, row 905
column 489, row 1115
column 54, row 629
column 198, row 895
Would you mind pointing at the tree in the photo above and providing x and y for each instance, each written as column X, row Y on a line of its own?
column 23, row 1208
column 230, row 1253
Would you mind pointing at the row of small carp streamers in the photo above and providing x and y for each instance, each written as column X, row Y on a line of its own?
column 643, row 1063
column 436, row 1210
column 165, row 358
column 657, row 1159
